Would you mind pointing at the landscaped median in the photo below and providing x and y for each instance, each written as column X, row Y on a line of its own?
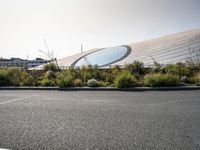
column 131, row 77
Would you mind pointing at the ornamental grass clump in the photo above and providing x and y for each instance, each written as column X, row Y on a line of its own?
column 65, row 79
column 125, row 80
column 159, row 79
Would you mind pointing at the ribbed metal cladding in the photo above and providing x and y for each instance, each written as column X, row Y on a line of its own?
column 173, row 48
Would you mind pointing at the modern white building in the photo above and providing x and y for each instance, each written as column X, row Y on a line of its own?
column 22, row 63
column 174, row 48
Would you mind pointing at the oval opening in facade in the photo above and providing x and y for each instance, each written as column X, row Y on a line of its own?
column 103, row 57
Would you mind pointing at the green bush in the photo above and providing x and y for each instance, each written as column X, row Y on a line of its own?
column 26, row 79
column 158, row 79
column 78, row 83
column 110, row 78
column 4, row 80
column 172, row 69
column 179, row 69
column 112, row 73
column 130, row 76
column 125, row 80
column 36, row 75
column 193, row 67
column 50, row 66
column 10, row 77
column 65, row 81
column 103, row 84
column 92, row 83
column 85, row 73
column 50, row 75
column 136, row 67
column 95, row 72
column 195, row 79
column 47, row 82
column 14, row 76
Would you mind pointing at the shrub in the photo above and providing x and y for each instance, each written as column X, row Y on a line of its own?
column 36, row 76
column 50, row 66
column 177, row 69
column 109, row 77
column 193, row 67
column 171, row 68
column 157, row 66
column 136, row 67
column 65, row 81
column 95, row 72
column 50, row 75
column 92, row 83
column 14, row 76
column 140, row 83
column 84, row 73
column 4, row 80
column 112, row 73
column 125, row 80
column 103, row 84
column 47, row 82
column 10, row 77
column 116, row 70
column 65, row 78
column 158, row 79
column 78, row 83
column 195, row 79
column 26, row 79
column 182, row 69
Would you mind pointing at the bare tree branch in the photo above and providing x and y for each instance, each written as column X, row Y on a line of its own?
column 49, row 53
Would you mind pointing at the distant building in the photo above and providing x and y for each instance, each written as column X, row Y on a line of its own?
column 22, row 63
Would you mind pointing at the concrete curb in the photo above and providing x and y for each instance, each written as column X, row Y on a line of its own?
column 178, row 88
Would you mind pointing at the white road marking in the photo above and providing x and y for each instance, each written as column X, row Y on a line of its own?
column 171, row 102
column 17, row 99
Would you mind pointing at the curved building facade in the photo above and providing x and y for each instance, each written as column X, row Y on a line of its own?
column 174, row 48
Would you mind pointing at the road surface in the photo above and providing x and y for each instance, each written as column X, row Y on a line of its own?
column 157, row 120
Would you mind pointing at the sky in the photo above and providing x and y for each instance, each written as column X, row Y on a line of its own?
column 65, row 24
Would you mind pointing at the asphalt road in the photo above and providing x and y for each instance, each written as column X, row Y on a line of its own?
column 100, row 120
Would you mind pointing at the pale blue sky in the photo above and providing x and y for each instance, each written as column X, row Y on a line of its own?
column 96, row 23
